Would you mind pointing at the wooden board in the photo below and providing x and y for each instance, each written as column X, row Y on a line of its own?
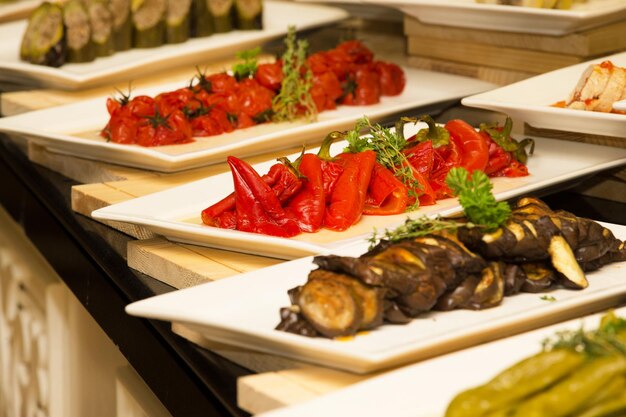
column 496, row 56
column 493, row 75
column 602, row 40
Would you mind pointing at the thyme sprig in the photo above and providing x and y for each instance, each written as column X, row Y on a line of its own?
column 388, row 146
column 294, row 99
column 422, row 226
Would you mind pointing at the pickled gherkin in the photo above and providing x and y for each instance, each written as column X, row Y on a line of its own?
column 122, row 24
column 178, row 20
column 148, row 23
column 223, row 14
column 80, row 47
column 44, row 41
column 249, row 14
column 101, row 21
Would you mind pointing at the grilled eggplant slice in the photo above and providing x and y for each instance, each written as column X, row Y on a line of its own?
column 249, row 14
column 565, row 263
column 178, row 20
column 122, row 24
column 223, row 12
column 538, row 277
column 331, row 307
column 101, row 21
column 292, row 322
column 201, row 19
column 44, row 41
column 459, row 296
column 490, row 290
column 80, row 47
column 148, row 18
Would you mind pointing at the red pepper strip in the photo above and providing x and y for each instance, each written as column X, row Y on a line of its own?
column 279, row 178
column 421, row 156
column 331, row 171
column 386, row 194
column 258, row 209
column 515, row 169
column 348, row 198
column 309, row 204
column 426, row 194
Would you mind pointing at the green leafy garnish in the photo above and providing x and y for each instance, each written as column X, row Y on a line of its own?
column 294, row 99
column 479, row 204
column 502, row 136
column 388, row 146
column 248, row 67
column 413, row 228
column 608, row 339
column 547, row 298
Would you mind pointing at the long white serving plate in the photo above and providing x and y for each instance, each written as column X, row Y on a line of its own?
column 470, row 14
column 74, row 128
column 128, row 65
column 175, row 213
column 16, row 9
column 425, row 389
column 244, row 310
column 531, row 101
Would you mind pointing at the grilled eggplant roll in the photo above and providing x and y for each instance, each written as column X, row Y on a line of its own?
column 122, row 25
column 536, row 250
column 148, row 18
column 80, row 47
column 178, row 21
column 223, row 12
column 249, row 14
column 44, row 41
column 101, row 21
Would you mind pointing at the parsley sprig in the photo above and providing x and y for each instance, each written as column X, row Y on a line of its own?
column 248, row 67
column 294, row 99
column 388, row 146
column 479, row 204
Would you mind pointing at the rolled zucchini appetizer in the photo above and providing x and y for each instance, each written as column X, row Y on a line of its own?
column 44, row 40
column 201, row 19
column 223, row 14
column 178, row 20
column 249, row 14
column 148, row 23
column 101, row 21
column 80, row 47
column 122, row 25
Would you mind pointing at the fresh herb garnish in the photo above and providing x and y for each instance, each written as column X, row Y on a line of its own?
column 437, row 134
column 388, row 146
column 413, row 228
column 248, row 67
column 608, row 339
column 294, row 99
column 547, row 298
column 124, row 98
column 502, row 136
column 479, row 204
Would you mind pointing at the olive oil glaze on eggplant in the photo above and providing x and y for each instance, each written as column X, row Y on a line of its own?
column 537, row 249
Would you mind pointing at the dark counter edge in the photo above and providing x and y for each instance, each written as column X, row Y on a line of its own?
column 188, row 380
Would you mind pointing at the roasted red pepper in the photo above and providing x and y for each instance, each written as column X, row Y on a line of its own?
column 257, row 206
column 283, row 182
column 348, row 198
column 386, row 194
column 309, row 203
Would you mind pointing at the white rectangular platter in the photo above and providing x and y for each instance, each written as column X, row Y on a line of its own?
column 16, row 9
column 175, row 213
column 243, row 311
column 128, row 65
column 425, row 389
column 73, row 128
column 531, row 101
column 469, row 14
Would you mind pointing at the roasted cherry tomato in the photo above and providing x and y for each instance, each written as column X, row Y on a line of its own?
column 159, row 130
column 325, row 91
column 392, row 79
column 253, row 98
column 474, row 148
column 270, row 75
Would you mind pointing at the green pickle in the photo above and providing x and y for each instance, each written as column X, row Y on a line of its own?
column 570, row 394
column 519, row 381
column 80, row 47
column 178, row 21
column 44, row 41
column 613, row 407
column 148, row 23
column 122, row 25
